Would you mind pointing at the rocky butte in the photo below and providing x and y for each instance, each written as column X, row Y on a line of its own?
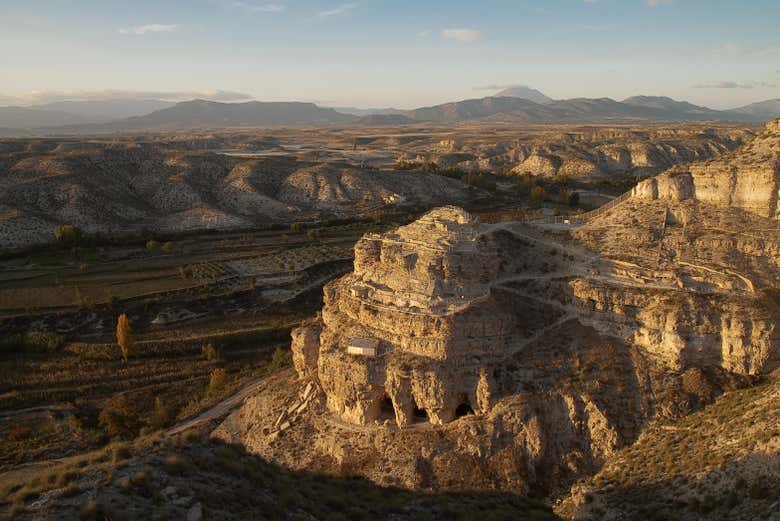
column 523, row 356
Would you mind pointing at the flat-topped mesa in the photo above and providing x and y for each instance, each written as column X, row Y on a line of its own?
column 412, row 331
column 748, row 178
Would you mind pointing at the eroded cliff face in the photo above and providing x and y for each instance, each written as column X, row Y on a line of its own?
column 460, row 355
column 748, row 178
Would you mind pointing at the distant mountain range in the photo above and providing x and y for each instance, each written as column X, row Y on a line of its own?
column 108, row 109
column 202, row 113
column 354, row 111
column 522, row 105
column 518, row 109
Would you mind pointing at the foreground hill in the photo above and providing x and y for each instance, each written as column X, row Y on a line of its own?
column 186, row 477
column 721, row 463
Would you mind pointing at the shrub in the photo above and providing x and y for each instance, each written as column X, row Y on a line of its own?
column 90, row 510
column 217, row 382
column 119, row 417
column 19, row 433
column 161, row 415
column 191, row 436
column 210, row 353
column 281, row 358
column 152, row 246
column 538, row 193
column 568, row 197
column 167, row 247
column 176, row 465
column 377, row 216
column 67, row 234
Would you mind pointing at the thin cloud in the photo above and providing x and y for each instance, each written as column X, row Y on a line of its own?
column 261, row 8
column 656, row 3
column 149, row 28
column 499, row 86
column 734, row 85
column 340, row 9
column 424, row 34
column 462, row 35
column 48, row 96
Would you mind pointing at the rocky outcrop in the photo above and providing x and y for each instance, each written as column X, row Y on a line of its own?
column 462, row 355
column 748, row 178
column 422, row 295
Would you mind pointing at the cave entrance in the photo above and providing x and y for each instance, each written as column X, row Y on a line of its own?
column 386, row 409
column 419, row 414
column 464, row 409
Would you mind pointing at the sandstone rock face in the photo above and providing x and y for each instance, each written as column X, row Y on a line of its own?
column 306, row 347
column 423, row 293
column 748, row 178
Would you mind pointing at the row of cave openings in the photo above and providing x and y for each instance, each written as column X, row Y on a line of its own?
column 420, row 415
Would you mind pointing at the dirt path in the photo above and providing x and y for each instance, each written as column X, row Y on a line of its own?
column 214, row 413
column 221, row 409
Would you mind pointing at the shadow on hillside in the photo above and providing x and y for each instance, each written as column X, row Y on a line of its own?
column 231, row 483
column 745, row 489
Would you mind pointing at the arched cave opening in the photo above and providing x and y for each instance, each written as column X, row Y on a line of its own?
column 464, row 409
column 419, row 414
column 386, row 409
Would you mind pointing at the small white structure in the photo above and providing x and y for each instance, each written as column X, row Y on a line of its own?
column 362, row 346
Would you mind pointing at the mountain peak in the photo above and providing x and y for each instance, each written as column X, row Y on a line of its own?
column 525, row 92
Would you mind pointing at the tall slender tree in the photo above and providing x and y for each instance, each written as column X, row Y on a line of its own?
column 124, row 336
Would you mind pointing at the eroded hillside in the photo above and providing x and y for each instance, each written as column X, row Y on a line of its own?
column 127, row 187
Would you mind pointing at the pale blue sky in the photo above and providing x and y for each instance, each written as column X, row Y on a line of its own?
column 399, row 53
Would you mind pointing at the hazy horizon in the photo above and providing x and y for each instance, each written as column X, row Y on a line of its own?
column 375, row 53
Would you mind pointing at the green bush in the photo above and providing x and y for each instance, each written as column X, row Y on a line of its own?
column 210, row 353
column 281, row 358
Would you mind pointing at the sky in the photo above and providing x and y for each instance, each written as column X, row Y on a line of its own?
column 391, row 53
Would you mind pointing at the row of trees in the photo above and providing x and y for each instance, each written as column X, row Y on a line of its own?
column 70, row 236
